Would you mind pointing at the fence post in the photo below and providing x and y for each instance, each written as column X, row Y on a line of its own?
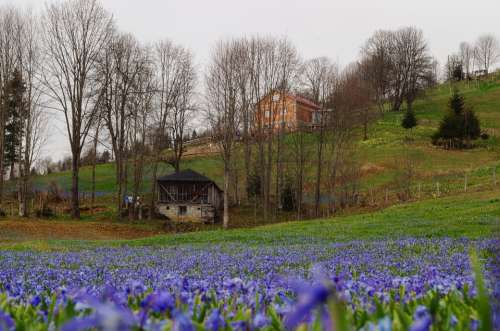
column 438, row 189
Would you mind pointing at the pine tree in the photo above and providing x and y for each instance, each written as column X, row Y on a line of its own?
column 459, row 126
column 409, row 120
column 457, row 102
column 14, row 107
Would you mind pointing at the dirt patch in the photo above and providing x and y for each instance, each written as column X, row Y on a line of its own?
column 201, row 150
column 371, row 168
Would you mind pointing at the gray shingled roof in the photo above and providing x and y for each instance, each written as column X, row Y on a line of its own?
column 185, row 176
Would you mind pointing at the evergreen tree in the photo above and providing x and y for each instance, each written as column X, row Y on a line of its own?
column 459, row 126
column 14, row 107
column 409, row 120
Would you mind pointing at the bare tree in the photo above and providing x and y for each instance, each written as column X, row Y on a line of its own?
column 487, row 51
column 377, row 65
column 467, row 57
column 398, row 64
column 318, row 79
column 182, row 108
column 272, row 65
column 413, row 64
column 141, row 105
column 223, row 106
column 32, row 119
column 347, row 101
column 174, row 88
column 118, row 72
column 75, row 33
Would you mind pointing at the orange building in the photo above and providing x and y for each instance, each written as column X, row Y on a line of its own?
column 279, row 109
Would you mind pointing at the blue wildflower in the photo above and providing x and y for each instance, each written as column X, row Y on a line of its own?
column 260, row 321
column 6, row 322
column 215, row 321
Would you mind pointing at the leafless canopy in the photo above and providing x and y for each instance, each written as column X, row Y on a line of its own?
column 76, row 32
column 487, row 51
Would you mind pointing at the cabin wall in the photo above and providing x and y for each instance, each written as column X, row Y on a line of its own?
column 190, row 210
column 193, row 213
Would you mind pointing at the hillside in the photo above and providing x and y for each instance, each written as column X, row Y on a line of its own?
column 379, row 154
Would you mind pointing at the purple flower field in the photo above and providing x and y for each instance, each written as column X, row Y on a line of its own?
column 402, row 284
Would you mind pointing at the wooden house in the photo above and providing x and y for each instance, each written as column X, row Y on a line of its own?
column 285, row 110
column 189, row 196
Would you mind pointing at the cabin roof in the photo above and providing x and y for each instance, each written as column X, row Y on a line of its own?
column 185, row 176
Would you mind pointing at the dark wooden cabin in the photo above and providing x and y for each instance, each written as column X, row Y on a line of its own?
column 189, row 196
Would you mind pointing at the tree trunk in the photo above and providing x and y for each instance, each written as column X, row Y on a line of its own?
column 226, row 195
column 153, row 190
column 94, row 161
column 75, row 203
column 92, row 197
column 317, row 189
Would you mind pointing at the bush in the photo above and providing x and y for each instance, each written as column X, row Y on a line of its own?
column 409, row 120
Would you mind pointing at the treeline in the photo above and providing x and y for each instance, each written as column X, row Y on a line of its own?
column 473, row 59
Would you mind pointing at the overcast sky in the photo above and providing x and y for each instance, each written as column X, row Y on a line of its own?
column 332, row 28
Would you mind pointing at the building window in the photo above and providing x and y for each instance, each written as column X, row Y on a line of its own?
column 182, row 210
column 268, row 113
column 276, row 97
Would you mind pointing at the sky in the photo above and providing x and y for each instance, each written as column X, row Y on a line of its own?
column 332, row 28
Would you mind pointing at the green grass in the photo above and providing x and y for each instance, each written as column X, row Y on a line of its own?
column 475, row 215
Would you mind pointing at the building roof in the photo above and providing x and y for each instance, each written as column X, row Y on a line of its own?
column 187, row 175
column 304, row 101
column 298, row 99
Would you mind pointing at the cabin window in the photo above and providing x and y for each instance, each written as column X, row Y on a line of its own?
column 182, row 210
column 268, row 113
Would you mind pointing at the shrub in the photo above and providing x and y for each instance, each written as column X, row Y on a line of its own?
column 409, row 120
